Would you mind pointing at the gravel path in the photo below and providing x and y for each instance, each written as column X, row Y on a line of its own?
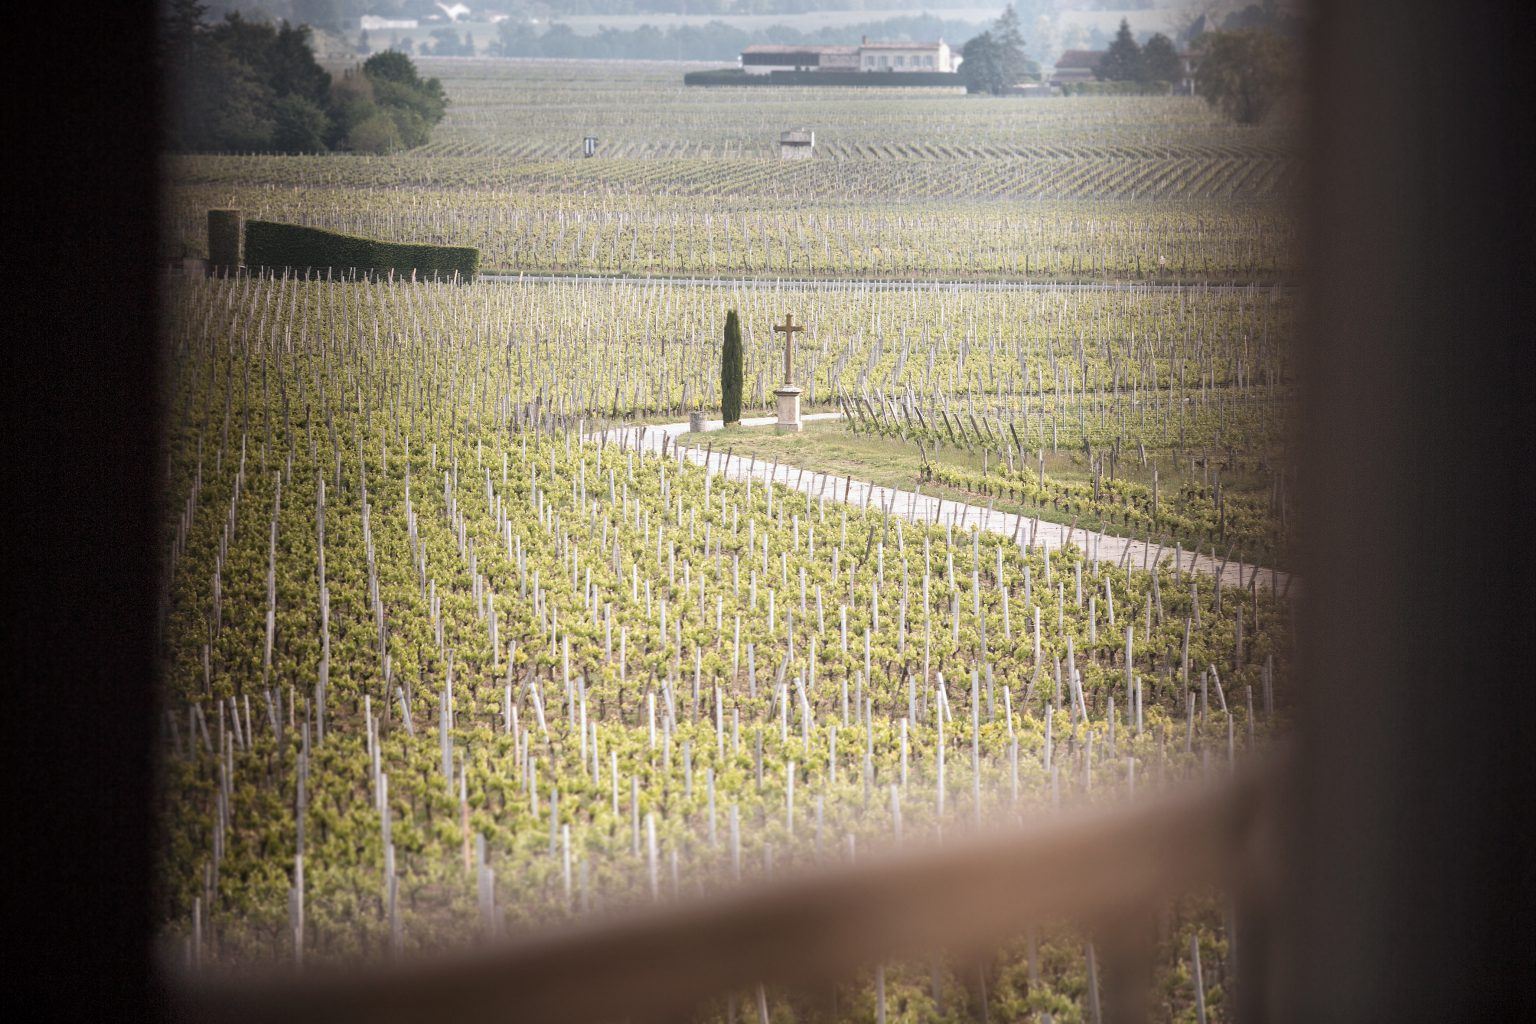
column 882, row 284
column 914, row 505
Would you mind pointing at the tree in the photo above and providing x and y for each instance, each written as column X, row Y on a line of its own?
column 300, row 125
column 243, row 84
column 1122, row 62
column 425, row 96
column 1010, row 46
column 981, row 65
column 730, row 371
column 375, row 133
column 412, row 103
column 1244, row 73
column 280, row 55
column 179, row 31
column 994, row 61
column 1160, row 61
column 351, row 103
column 448, row 44
column 222, row 105
column 515, row 38
column 392, row 66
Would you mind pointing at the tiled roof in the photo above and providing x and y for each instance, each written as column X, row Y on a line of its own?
column 1080, row 59
column 776, row 48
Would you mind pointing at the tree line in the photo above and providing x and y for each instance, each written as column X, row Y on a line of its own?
column 1127, row 61
column 240, row 85
column 1242, row 70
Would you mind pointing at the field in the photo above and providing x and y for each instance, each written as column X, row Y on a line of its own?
column 446, row 661
column 386, row 601
column 908, row 182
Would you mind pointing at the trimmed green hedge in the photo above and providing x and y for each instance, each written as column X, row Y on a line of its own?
column 1116, row 89
column 223, row 240
column 861, row 79
column 273, row 246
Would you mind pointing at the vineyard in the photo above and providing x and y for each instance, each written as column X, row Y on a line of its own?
column 906, row 183
column 1166, row 368
column 1214, row 502
column 642, row 110
column 465, row 638
column 440, row 670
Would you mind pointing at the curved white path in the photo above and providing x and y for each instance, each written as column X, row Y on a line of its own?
column 916, row 506
column 882, row 284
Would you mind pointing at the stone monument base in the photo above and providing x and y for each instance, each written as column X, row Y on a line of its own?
column 789, row 409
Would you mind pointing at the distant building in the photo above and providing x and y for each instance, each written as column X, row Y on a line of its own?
column 839, row 58
column 797, row 144
column 1074, row 67
column 905, row 56
column 374, row 23
column 1189, row 63
column 764, row 59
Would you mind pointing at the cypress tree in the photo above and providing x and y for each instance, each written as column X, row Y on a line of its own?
column 1122, row 62
column 730, row 371
column 1160, row 61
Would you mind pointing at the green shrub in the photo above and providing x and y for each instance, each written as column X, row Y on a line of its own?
column 301, row 125
column 277, row 246
column 376, row 133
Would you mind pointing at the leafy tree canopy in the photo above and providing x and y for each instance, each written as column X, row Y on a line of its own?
column 980, row 66
column 1245, row 73
column 280, row 55
column 391, row 66
column 249, row 85
column 1160, row 61
column 994, row 61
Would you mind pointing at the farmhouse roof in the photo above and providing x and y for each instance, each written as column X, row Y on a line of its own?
column 900, row 46
column 1080, row 58
column 778, row 48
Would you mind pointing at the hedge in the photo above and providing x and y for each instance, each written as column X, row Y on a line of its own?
column 860, row 79
column 273, row 246
column 223, row 240
column 1126, row 88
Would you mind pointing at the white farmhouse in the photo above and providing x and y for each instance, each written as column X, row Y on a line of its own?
column 764, row 59
column 905, row 56
column 375, row 23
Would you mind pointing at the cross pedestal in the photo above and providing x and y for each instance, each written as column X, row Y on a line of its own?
column 789, row 409
column 788, row 395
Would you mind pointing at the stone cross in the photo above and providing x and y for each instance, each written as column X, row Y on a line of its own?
column 788, row 329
